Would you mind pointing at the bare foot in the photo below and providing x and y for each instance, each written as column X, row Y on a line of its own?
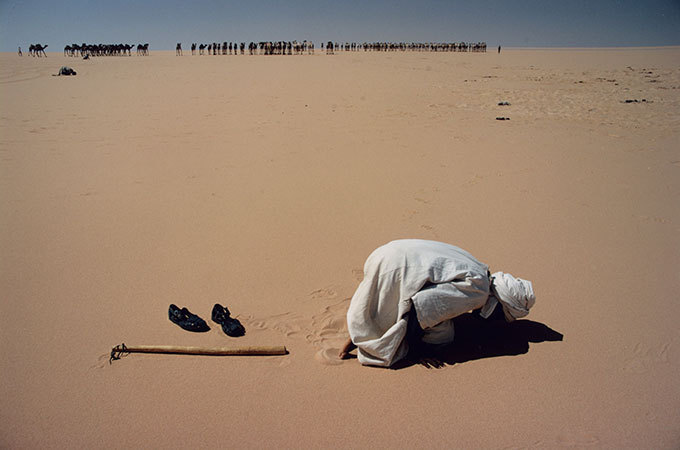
column 348, row 347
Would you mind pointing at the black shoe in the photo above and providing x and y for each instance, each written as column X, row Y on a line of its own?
column 232, row 327
column 186, row 320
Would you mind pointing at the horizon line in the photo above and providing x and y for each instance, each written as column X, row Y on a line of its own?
column 490, row 47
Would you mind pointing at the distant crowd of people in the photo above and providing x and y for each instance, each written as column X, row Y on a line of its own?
column 253, row 48
column 407, row 46
column 298, row 48
column 87, row 50
column 263, row 48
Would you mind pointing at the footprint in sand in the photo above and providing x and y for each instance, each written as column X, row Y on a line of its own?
column 326, row 330
column 654, row 219
column 288, row 324
column 329, row 331
column 327, row 292
column 410, row 214
column 431, row 229
column 328, row 356
column 477, row 178
column 644, row 359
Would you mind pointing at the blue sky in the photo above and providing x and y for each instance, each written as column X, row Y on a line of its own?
column 520, row 23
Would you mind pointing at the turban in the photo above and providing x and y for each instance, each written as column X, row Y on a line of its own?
column 515, row 294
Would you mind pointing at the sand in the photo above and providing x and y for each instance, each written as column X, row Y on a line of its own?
column 263, row 183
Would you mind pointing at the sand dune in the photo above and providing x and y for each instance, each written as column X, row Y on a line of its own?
column 263, row 183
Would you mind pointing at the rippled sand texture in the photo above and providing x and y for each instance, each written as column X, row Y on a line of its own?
column 263, row 183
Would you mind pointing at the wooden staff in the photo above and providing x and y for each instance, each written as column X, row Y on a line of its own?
column 122, row 349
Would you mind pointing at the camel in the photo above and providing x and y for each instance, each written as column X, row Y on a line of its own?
column 35, row 50
column 143, row 49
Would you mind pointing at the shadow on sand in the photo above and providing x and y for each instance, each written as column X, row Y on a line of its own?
column 477, row 338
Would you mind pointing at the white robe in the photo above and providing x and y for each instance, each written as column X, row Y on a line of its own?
column 440, row 280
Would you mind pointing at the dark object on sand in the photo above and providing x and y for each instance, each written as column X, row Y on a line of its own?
column 65, row 70
column 186, row 320
column 122, row 350
column 232, row 327
column 644, row 100
column 504, row 104
column 502, row 118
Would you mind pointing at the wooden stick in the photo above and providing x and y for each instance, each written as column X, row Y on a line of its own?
column 119, row 350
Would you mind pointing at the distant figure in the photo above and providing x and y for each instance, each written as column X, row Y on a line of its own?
column 193, row 48
column 20, row 54
column 178, row 49
column 64, row 71
column 499, row 49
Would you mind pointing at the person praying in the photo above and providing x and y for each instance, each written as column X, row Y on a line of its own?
column 416, row 287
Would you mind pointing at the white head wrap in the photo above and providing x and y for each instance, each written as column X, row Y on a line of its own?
column 515, row 294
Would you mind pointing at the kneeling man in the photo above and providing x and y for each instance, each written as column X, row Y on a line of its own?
column 428, row 282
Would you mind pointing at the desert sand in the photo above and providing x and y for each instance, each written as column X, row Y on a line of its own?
column 263, row 183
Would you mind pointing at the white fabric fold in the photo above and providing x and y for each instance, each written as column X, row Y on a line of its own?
column 515, row 294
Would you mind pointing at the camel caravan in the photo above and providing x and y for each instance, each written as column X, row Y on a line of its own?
column 263, row 48
column 307, row 47
column 331, row 47
column 253, row 48
column 87, row 50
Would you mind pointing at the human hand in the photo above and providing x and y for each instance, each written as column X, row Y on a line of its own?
column 348, row 347
column 430, row 362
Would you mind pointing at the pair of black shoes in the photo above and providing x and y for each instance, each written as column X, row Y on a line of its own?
column 191, row 322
